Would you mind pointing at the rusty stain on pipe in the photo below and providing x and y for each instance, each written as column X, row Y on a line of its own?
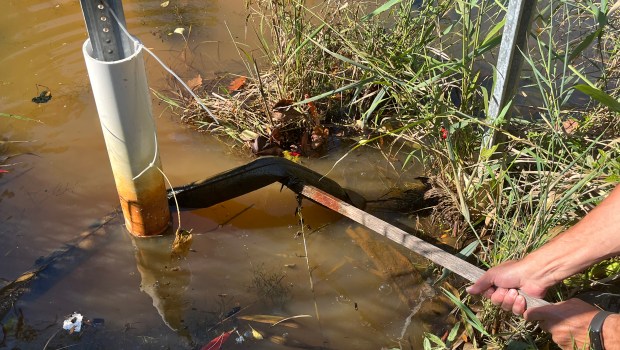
column 145, row 205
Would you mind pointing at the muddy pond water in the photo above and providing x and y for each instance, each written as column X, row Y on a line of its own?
column 245, row 252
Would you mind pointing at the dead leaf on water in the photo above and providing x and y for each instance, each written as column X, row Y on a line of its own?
column 276, row 339
column 271, row 319
column 165, row 4
column 256, row 334
column 25, row 276
column 182, row 244
column 261, row 318
column 237, row 84
column 180, row 30
column 290, row 318
column 195, row 82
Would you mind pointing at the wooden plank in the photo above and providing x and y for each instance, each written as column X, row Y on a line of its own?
column 427, row 250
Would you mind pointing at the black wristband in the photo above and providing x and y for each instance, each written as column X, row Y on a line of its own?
column 596, row 330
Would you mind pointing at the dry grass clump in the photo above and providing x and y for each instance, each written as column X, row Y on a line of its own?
column 250, row 112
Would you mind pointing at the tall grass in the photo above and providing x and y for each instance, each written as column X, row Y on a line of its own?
column 420, row 71
column 550, row 174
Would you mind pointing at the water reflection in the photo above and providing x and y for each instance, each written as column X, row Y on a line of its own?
column 165, row 277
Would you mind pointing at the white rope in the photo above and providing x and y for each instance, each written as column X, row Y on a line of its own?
column 152, row 163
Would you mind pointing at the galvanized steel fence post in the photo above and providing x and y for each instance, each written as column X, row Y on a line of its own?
column 509, row 63
column 118, row 79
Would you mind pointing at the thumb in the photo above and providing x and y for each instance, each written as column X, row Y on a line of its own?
column 483, row 284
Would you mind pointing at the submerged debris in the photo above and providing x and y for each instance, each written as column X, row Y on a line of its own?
column 43, row 96
column 270, row 286
column 182, row 244
column 73, row 323
column 217, row 342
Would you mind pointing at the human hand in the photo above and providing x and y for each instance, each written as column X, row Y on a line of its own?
column 567, row 321
column 502, row 282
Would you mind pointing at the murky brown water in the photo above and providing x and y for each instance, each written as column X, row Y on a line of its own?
column 61, row 185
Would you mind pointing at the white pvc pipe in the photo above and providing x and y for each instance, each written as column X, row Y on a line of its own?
column 123, row 101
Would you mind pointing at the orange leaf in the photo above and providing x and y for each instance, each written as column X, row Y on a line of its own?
column 312, row 107
column 570, row 126
column 217, row 342
column 237, row 84
column 195, row 82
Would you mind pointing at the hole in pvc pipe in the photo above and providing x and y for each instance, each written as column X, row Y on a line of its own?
column 105, row 30
column 103, row 18
column 100, row 6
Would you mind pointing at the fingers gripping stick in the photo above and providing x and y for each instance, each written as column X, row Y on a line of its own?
column 472, row 273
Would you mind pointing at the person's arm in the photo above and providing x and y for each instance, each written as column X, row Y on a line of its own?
column 611, row 332
column 594, row 238
column 569, row 321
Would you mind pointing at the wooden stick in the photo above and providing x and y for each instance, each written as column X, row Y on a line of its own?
column 419, row 246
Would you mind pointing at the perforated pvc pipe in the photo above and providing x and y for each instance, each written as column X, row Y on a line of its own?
column 123, row 102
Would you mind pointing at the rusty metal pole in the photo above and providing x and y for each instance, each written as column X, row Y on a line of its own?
column 118, row 78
